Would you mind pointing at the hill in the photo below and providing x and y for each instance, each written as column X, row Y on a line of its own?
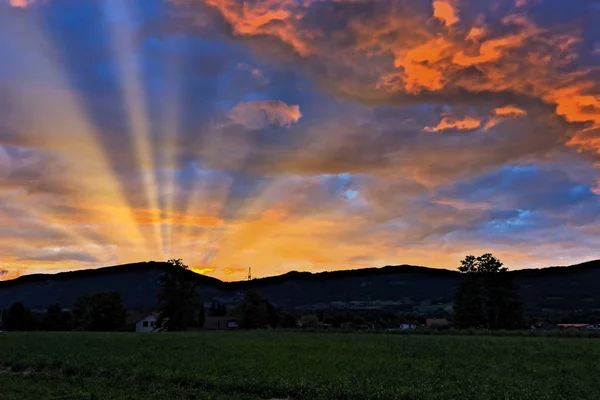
column 402, row 287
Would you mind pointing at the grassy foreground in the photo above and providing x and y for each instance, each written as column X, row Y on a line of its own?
column 265, row 365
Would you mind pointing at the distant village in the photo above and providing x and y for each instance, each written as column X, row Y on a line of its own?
column 220, row 315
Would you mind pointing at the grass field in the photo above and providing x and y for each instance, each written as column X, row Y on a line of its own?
column 264, row 365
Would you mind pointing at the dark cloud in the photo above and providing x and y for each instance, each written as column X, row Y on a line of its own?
column 513, row 187
column 56, row 255
column 32, row 171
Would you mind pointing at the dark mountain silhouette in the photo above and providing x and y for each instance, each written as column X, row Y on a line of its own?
column 402, row 287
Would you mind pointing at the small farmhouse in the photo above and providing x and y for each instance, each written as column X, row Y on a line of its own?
column 147, row 323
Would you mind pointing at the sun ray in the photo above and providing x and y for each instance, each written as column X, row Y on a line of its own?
column 213, row 142
column 125, row 48
column 40, row 213
column 53, row 120
column 170, row 151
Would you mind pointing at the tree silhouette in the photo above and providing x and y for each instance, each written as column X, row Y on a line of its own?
column 201, row 315
column 55, row 319
column 18, row 318
column 217, row 310
column 487, row 297
column 177, row 298
column 255, row 311
column 100, row 311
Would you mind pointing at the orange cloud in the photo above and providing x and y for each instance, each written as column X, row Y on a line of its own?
column 502, row 113
column 489, row 51
column 517, row 55
column 21, row 3
column 445, row 12
column 230, row 271
column 462, row 124
column 509, row 111
column 419, row 65
column 476, row 33
column 263, row 17
column 261, row 114
column 203, row 270
column 147, row 216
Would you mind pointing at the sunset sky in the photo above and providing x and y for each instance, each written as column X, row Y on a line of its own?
column 298, row 134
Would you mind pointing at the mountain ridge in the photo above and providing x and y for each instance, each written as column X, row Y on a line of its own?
column 294, row 273
column 401, row 287
column 149, row 264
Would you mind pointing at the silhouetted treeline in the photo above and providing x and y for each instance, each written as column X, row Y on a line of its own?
column 101, row 311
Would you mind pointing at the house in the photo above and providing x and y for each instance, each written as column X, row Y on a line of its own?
column 573, row 327
column 407, row 326
column 232, row 324
column 436, row 322
column 220, row 323
column 592, row 328
column 146, row 323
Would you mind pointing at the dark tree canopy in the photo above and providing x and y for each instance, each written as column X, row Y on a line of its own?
column 101, row 311
column 18, row 318
column 487, row 297
column 287, row 320
column 256, row 312
column 217, row 310
column 201, row 315
column 56, row 319
column 485, row 263
column 177, row 298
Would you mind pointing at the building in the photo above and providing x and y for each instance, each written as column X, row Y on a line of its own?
column 407, row 326
column 436, row 322
column 147, row 323
column 573, row 327
column 220, row 323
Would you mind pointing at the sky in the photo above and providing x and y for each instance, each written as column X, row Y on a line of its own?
column 302, row 135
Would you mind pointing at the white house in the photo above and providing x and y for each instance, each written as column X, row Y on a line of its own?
column 232, row 324
column 146, row 323
column 407, row 326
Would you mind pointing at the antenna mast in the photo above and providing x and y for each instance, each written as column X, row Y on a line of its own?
column 249, row 273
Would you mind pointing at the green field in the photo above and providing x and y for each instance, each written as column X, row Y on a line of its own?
column 264, row 365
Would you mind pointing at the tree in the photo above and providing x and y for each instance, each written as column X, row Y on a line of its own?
column 217, row 310
column 468, row 311
column 487, row 297
column 201, row 315
column 177, row 298
column 287, row 320
column 309, row 321
column 55, row 319
column 256, row 312
column 101, row 312
column 18, row 318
